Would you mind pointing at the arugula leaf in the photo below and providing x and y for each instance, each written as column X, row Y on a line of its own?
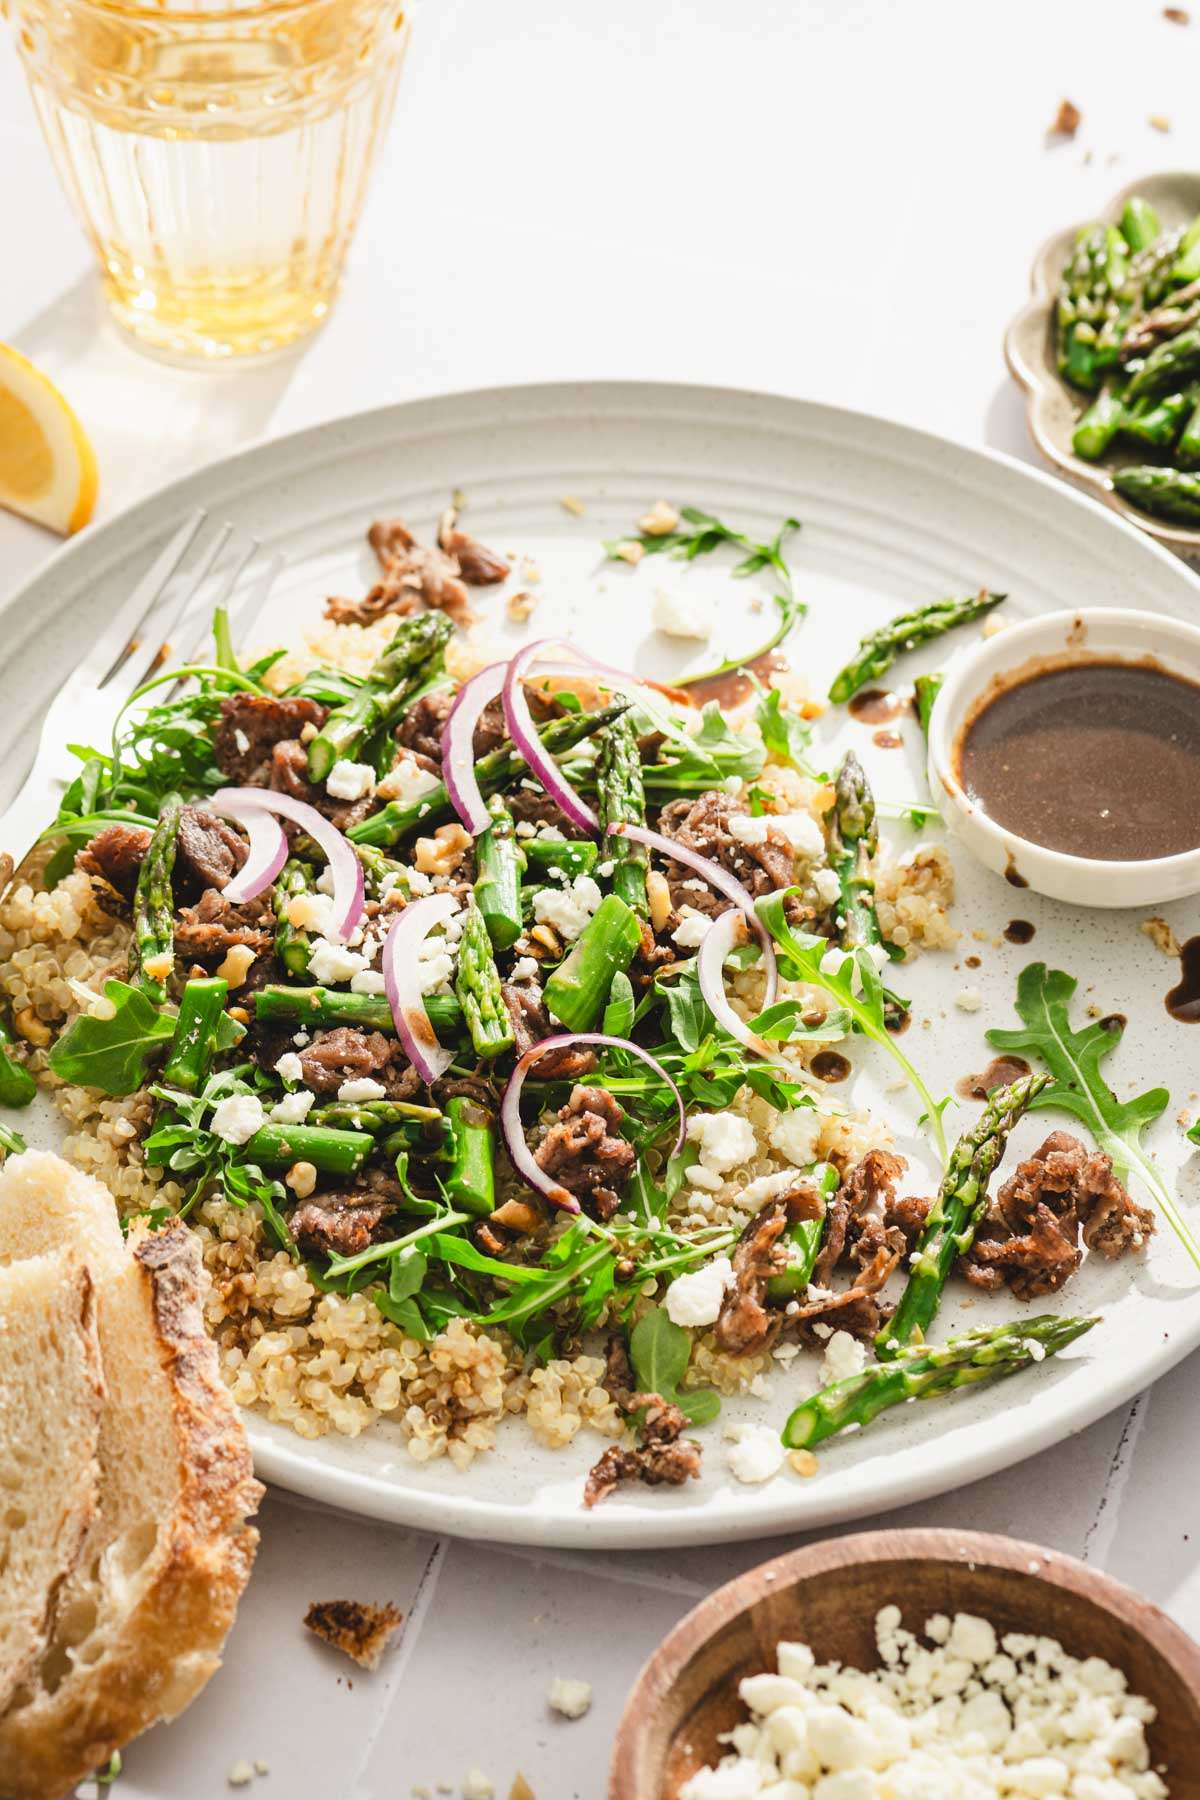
column 912, row 812
column 687, row 1009
column 1073, row 1058
column 114, row 1054
column 660, row 1352
column 705, row 758
column 619, row 1013
column 785, row 734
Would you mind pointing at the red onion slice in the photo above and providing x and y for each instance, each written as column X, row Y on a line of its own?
column 723, row 881
column 523, row 733
column 458, row 746
column 521, row 1155
column 726, row 932
column 348, row 886
column 408, row 931
column 267, row 855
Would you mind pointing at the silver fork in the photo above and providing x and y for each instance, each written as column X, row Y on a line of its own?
column 169, row 602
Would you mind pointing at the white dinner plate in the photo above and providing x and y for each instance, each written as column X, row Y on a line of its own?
column 890, row 517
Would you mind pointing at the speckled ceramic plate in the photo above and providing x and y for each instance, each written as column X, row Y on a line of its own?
column 890, row 517
column 1052, row 407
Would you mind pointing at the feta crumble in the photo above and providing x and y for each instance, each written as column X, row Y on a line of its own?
column 350, row 781
column 568, row 910
column 237, row 1118
column 293, row 1109
column 796, row 1135
column 368, row 981
column 289, row 1067
column 329, row 963
column 362, row 1087
column 690, row 932
column 725, row 1140
column 695, row 1298
column 826, row 885
column 755, row 1453
column 406, row 782
column 681, row 615
column 844, row 1356
column 570, row 1698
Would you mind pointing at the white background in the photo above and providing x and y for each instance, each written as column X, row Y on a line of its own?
column 821, row 197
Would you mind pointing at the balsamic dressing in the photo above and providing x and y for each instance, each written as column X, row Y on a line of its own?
column 999, row 1073
column 734, row 685
column 876, row 706
column 1018, row 931
column 1183, row 1001
column 830, row 1065
column 1095, row 758
column 888, row 740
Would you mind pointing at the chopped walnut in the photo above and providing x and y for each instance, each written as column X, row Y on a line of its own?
column 442, row 853
column 1067, row 119
column 660, row 521
column 1161, row 936
column 630, row 551
column 521, row 606
column 1159, row 121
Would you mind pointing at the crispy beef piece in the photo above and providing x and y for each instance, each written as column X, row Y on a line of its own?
column 341, row 1223
column 214, row 925
column 908, row 1215
column 208, row 853
column 703, row 825
column 478, row 566
column 651, row 956
column 618, row 1371
column 873, row 1179
column 662, row 1455
column 530, row 806
column 289, row 775
column 343, row 1054
column 390, row 539
column 856, row 1309
column 531, row 1023
column 112, row 861
column 412, row 576
column 1030, row 1236
column 420, row 730
column 744, row 1323
column 251, row 726
column 584, row 1154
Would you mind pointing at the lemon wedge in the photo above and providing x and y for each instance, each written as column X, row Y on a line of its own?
column 47, row 465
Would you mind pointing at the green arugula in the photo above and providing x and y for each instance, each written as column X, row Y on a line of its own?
column 1073, row 1058
column 660, row 1352
column 114, row 1054
column 856, row 987
column 699, row 535
column 619, row 1013
column 704, row 758
column 912, row 812
column 785, row 734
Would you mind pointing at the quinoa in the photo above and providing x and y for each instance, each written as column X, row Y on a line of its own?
column 912, row 898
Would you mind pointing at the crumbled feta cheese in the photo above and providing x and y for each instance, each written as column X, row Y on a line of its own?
column 756, row 1193
column 725, row 1140
column 289, row 1067
column 368, row 981
column 567, row 909
column 681, row 615
column 325, row 880
column 570, row 1698
column 747, row 829
column 700, row 1177
column 826, row 885
column 844, row 1356
column 333, row 962
column 695, row 1298
column 801, row 831
column 691, row 929
column 310, row 912
column 293, row 1109
column 526, row 968
column 755, row 1453
column 241, row 1774
column 476, row 1786
column 237, row 1118
column 796, row 1135
column 362, row 1087
column 419, row 883
column 968, row 999
column 406, row 782
column 241, row 740
column 350, row 781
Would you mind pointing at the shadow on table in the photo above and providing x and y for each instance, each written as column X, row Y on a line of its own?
column 1004, row 425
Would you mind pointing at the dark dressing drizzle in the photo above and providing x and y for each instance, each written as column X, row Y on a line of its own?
column 733, row 686
column 1013, row 875
column 876, row 706
column 830, row 1065
column 1183, row 1001
column 888, row 740
column 999, row 1072
column 1018, row 931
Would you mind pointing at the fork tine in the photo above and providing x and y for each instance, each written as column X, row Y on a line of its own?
column 243, row 618
column 116, row 643
column 158, row 633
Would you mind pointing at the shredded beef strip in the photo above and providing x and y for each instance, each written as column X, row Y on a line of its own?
column 702, row 825
column 208, row 853
column 662, row 1455
column 250, row 727
column 478, row 566
column 214, row 925
column 413, row 576
column 855, row 1309
column 1030, row 1235
column 531, row 1023
column 341, row 1224
column 873, row 1179
column 289, row 775
column 343, row 1054
column 583, row 1153
column 420, row 730
column 112, row 860
column 745, row 1323
column 529, row 806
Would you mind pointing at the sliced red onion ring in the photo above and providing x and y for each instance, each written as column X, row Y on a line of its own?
column 348, row 887
column 408, row 931
column 267, row 855
column 723, row 881
column 726, row 932
column 523, row 733
column 458, row 746
column 510, row 1110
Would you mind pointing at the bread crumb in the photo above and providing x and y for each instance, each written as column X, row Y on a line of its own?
column 355, row 1627
column 570, row 1698
column 1159, row 121
column 573, row 504
column 1161, row 936
column 241, row 1774
column 1067, row 120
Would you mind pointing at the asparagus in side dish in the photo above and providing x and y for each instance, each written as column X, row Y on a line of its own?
column 501, row 768
column 923, row 1372
column 1168, row 493
column 854, row 841
column 1100, row 424
column 952, row 1221
column 1157, row 422
column 1140, row 223
column 477, row 985
column 1168, row 368
column 500, row 862
column 622, row 800
column 407, row 662
column 1096, row 272
column 879, row 650
column 150, row 950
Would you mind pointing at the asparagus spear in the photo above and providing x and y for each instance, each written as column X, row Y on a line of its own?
column 622, row 800
column 950, row 1227
column 404, row 665
column 1179, row 313
column 1157, row 422
column 500, row 862
column 500, row 769
column 1139, row 223
column 570, row 856
column 926, row 689
column 17, row 1086
column 153, row 905
column 803, row 1237
column 1187, row 448
column 879, row 650
column 1099, row 424
column 1169, row 367
column 201, row 1007
column 374, row 1116
column 333, row 1152
column 578, row 988
column 1186, row 266
column 292, row 945
column 471, row 1182
column 11, row 1142
column 477, row 984
column 986, row 1354
column 1088, row 299
column 854, row 841
column 1168, row 493
column 318, row 1006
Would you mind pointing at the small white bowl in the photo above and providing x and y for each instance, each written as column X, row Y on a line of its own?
column 1020, row 650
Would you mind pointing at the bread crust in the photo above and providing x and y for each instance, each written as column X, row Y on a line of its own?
column 164, row 1648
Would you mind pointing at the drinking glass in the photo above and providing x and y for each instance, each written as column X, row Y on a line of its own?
column 216, row 151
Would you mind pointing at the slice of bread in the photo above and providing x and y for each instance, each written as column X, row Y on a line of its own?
column 51, row 1394
column 139, row 1625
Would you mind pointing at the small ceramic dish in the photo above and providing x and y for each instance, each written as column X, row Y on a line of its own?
column 1053, row 407
column 827, row 1596
column 993, row 664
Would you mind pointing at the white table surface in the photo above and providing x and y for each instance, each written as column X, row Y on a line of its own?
column 831, row 198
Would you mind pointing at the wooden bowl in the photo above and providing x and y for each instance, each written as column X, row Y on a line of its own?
column 827, row 1596
column 1052, row 407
